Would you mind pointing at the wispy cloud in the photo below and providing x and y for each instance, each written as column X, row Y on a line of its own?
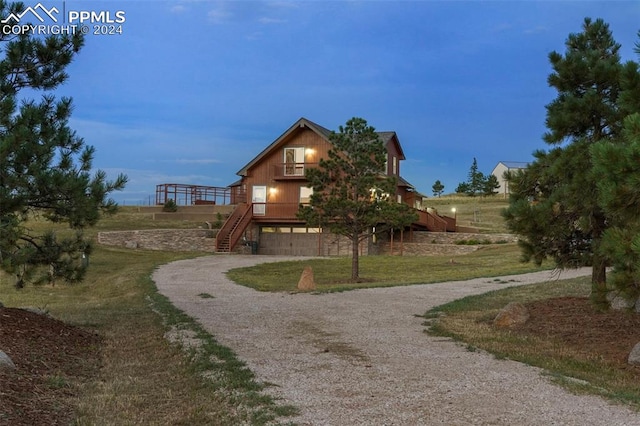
column 219, row 15
column 178, row 8
column 197, row 161
column 267, row 20
column 283, row 4
column 536, row 30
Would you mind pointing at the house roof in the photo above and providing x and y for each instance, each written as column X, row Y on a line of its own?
column 392, row 136
column 301, row 123
column 403, row 182
column 322, row 131
column 514, row 164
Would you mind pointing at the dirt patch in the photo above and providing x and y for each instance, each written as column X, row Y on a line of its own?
column 328, row 342
column 50, row 358
column 609, row 335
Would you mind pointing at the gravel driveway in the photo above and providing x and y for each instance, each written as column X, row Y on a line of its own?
column 362, row 357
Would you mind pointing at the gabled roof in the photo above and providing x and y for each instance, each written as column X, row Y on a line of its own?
column 513, row 164
column 301, row 123
column 323, row 132
column 388, row 136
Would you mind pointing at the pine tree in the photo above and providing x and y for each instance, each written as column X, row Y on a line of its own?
column 351, row 194
column 475, row 179
column 617, row 169
column 554, row 203
column 438, row 188
column 45, row 168
column 490, row 185
column 462, row 188
column 617, row 173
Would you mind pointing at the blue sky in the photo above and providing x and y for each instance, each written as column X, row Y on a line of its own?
column 193, row 90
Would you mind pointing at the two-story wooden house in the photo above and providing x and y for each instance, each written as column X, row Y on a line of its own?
column 273, row 185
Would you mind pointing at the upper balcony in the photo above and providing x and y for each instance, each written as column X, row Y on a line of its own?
column 291, row 171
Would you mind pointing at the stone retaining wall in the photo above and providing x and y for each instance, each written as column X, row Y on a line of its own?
column 453, row 237
column 423, row 243
column 425, row 249
column 420, row 243
column 162, row 239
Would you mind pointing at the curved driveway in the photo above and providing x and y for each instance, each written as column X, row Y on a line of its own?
column 362, row 357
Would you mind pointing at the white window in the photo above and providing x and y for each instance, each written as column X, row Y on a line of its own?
column 305, row 195
column 294, row 161
column 259, row 198
column 394, row 164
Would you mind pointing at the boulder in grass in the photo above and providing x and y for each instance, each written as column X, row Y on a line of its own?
column 634, row 356
column 512, row 315
column 6, row 362
column 306, row 282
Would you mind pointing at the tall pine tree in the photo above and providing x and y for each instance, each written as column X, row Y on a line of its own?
column 45, row 168
column 351, row 193
column 617, row 173
column 554, row 203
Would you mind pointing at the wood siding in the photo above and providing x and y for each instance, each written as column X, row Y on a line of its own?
column 264, row 172
column 392, row 152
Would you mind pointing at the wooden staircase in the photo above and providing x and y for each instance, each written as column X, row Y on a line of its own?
column 434, row 222
column 231, row 231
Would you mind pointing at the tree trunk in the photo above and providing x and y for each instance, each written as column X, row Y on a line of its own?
column 599, row 282
column 599, row 265
column 355, row 264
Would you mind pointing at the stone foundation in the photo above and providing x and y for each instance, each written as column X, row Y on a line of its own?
column 422, row 243
column 161, row 239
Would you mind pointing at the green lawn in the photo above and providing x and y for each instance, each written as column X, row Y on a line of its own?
column 332, row 274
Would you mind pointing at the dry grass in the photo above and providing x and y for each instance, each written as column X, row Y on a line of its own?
column 483, row 213
column 588, row 366
column 384, row 271
column 144, row 379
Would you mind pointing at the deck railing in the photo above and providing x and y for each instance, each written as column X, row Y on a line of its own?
column 291, row 171
column 277, row 211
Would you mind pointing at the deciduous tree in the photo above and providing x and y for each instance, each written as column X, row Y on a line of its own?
column 352, row 196
column 45, row 168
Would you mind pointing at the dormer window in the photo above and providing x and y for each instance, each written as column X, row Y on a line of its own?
column 394, row 164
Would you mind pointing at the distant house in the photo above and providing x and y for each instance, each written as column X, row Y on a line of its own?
column 272, row 186
column 499, row 171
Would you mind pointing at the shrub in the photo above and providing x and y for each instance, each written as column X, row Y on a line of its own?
column 170, row 206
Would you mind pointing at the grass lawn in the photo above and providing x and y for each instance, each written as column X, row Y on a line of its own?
column 482, row 213
column 144, row 379
column 331, row 274
column 593, row 363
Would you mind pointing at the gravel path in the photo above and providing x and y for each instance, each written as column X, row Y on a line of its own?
column 362, row 357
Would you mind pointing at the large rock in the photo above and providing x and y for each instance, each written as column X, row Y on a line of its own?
column 511, row 315
column 130, row 244
column 618, row 302
column 634, row 356
column 306, row 282
column 6, row 362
